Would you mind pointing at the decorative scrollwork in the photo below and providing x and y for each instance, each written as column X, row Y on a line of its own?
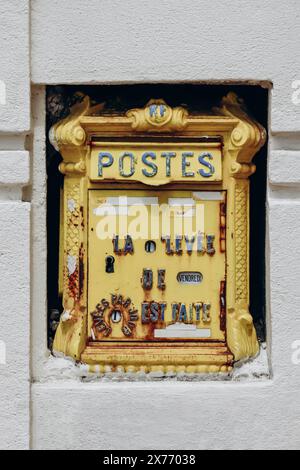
column 69, row 168
column 69, row 338
column 241, row 246
column 68, row 131
column 242, row 170
column 241, row 334
column 247, row 137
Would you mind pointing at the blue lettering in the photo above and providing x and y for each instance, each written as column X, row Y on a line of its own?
column 152, row 165
column 207, row 164
column 101, row 164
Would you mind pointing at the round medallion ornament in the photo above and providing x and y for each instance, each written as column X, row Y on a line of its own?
column 108, row 313
column 158, row 113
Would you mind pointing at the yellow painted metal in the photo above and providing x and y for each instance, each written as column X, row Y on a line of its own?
column 229, row 334
column 61, row 242
column 184, row 165
column 146, row 221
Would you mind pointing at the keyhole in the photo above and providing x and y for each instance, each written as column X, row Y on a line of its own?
column 109, row 264
column 150, row 246
column 116, row 316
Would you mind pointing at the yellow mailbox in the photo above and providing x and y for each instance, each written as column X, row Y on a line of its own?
column 155, row 237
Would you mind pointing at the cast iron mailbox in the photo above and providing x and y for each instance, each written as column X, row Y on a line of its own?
column 155, row 237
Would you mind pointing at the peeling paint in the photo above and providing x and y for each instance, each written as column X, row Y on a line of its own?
column 71, row 205
column 72, row 262
column 66, row 316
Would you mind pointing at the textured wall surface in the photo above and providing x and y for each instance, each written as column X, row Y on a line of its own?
column 117, row 41
column 14, row 66
column 14, row 225
column 14, row 330
column 166, row 416
column 139, row 41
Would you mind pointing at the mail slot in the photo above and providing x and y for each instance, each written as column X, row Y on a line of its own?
column 155, row 237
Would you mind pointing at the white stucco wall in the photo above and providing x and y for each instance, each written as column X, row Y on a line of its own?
column 70, row 41
column 14, row 66
column 116, row 41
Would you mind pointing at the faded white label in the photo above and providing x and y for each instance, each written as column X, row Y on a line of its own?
column 208, row 196
column 182, row 330
column 181, row 201
column 122, row 205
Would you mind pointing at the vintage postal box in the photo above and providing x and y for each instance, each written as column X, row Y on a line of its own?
column 155, row 237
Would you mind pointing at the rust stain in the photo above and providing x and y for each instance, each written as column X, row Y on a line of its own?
column 148, row 328
column 223, row 305
column 222, row 224
column 82, row 216
column 81, row 270
column 73, row 284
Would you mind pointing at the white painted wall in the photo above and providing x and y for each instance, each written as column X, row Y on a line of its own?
column 112, row 41
column 170, row 40
column 14, row 314
column 14, row 66
column 14, row 225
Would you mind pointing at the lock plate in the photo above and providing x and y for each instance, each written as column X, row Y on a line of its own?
column 168, row 271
